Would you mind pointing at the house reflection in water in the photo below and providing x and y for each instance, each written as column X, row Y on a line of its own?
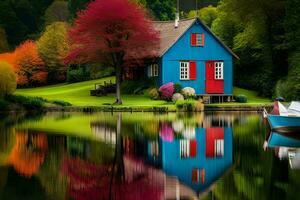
column 198, row 162
column 195, row 160
column 188, row 157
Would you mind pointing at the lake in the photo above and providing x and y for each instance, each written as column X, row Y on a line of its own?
column 220, row 155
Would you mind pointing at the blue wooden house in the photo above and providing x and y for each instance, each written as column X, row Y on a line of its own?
column 191, row 55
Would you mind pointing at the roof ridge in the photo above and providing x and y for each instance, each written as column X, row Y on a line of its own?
column 172, row 21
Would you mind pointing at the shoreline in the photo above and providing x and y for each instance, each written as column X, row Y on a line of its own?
column 209, row 107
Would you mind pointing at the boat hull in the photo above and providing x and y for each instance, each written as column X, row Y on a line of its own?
column 279, row 122
column 279, row 140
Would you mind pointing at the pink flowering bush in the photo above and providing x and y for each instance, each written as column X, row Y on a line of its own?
column 167, row 90
column 166, row 132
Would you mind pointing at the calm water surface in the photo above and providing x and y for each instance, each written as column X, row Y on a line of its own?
column 145, row 156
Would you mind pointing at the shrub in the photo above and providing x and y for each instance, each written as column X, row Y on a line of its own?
column 241, row 98
column 153, row 93
column 8, row 83
column 188, row 92
column 186, row 105
column 28, row 102
column 167, row 90
column 61, row 103
column 98, row 71
column 77, row 75
column 176, row 97
column 199, row 105
column 177, row 88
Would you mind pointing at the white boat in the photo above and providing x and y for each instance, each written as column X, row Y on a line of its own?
column 282, row 118
column 279, row 109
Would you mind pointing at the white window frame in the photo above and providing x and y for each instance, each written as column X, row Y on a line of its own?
column 153, row 70
column 219, row 148
column 184, row 148
column 184, row 72
column 219, row 70
column 199, row 38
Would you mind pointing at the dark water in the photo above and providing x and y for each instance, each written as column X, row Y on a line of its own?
column 146, row 156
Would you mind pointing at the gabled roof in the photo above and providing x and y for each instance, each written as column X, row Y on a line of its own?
column 169, row 35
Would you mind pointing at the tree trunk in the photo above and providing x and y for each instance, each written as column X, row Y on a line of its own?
column 118, row 84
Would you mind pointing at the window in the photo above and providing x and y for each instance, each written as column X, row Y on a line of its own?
column 198, row 175
column 219, row 148
column 219, row 70
column 188, row 148
column 154, row 149
column 184, row 70
column 188, row 70
column 184, row 148
column 197, row 39
column 153, row 70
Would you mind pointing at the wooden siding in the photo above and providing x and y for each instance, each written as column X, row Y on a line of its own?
column 182, row 50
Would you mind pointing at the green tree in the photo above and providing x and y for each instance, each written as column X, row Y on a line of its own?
column 3, row 41
column 53, row 47
column 75, row 6
column 258, row 40
column 207, row 14
column 289, row 86
column 8, row 82
column 162, row 10
column 22, row 19
column 57, row 12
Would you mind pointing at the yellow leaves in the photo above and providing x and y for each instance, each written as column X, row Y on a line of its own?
column 8, row 82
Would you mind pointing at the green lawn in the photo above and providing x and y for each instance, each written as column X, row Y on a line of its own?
column 251, row 95
column 78, row 94
column 253, row 99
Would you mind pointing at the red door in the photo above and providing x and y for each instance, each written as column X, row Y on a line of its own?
column 212, row 84
column 214, row 142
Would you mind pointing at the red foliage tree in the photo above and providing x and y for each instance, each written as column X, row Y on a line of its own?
column 30, row 68
column 115, row 32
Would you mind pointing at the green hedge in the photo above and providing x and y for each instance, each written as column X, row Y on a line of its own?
column 241, row 98
column 29, row 103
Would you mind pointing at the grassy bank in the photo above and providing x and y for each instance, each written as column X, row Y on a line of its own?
column 78, row 94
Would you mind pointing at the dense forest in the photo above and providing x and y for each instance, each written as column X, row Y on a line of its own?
column 265, row 34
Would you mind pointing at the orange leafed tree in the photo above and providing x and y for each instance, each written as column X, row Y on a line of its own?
column 30, row 68
column 9, row 58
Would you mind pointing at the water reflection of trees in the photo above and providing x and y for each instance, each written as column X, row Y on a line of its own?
column 257, row 174
column 78, row 168
column 28, row 153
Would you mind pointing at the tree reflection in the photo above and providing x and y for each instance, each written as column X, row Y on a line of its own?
column 28, row 153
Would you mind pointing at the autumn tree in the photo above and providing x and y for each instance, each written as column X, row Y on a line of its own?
column 7, row 79
column 57, row 12
column 10, row 58
column 30, row 68
column 117, row 33
column 53, row 47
